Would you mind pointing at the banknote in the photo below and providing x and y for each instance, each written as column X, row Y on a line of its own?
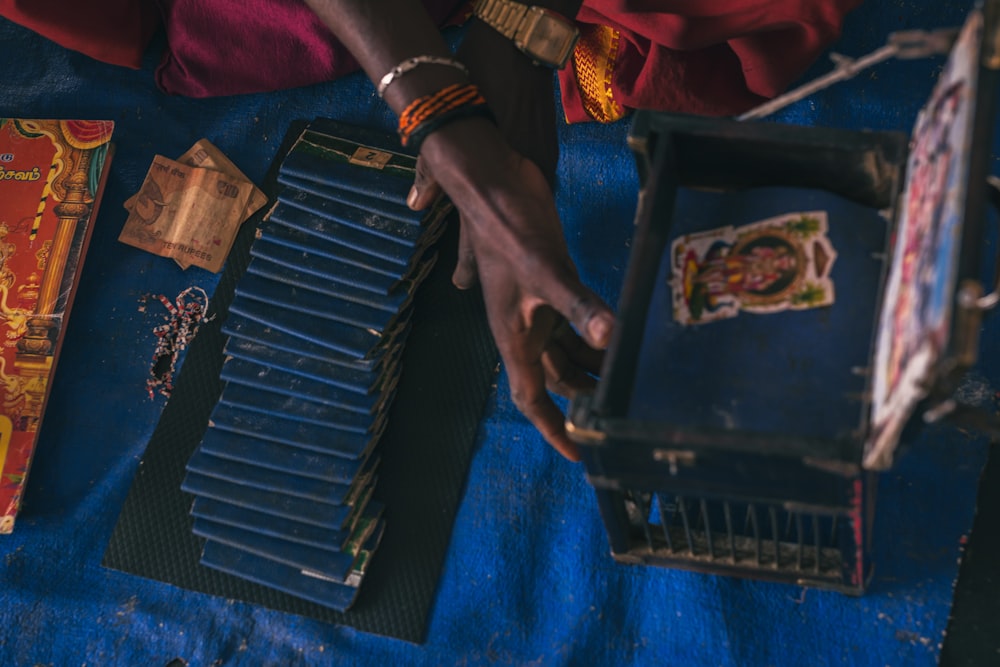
column 206, row 155
column 190, row 214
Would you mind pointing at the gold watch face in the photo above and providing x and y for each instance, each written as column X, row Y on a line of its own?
column 548, row 38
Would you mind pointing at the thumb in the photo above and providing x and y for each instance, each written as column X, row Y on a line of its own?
column 425, row 189
column 586, row 311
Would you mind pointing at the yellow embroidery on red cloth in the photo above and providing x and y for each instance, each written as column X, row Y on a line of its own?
column 594, row 62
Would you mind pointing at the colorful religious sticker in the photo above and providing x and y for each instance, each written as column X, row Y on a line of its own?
column 915, row 321
column 768, row 266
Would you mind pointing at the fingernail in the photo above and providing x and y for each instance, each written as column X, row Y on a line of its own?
column 599, row 330
column 411, row 199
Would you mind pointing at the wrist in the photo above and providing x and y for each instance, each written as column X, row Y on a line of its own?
column 488, row 54
column 546, row 35
column 520, row 94
column 426, row 115
column 459, row 154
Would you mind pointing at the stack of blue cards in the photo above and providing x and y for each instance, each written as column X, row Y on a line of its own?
column 284, row 476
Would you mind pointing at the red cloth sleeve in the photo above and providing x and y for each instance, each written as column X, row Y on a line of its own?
column 112, row 31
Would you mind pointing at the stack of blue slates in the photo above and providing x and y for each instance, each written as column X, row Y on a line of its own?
column 284, row 476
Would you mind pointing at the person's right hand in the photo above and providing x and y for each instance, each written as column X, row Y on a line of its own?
column 511, row 229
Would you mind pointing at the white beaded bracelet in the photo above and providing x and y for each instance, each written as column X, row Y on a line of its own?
column 412, row 63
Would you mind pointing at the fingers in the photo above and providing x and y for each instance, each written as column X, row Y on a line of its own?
column 536, row 363
column 585, row 310
column 527, row 390
column 569, row 362
column 466, row 272
column 562, row 375
column 576, row 349
column 425, row 188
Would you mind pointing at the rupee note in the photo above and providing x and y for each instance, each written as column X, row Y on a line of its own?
column 190, row 214
column 206, row 155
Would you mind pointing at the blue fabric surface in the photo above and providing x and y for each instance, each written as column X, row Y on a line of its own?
column 527, row 579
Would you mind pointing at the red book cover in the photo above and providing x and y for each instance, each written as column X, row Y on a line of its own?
column 52, row 174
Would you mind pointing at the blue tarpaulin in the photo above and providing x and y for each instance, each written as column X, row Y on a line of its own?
column 527, row 578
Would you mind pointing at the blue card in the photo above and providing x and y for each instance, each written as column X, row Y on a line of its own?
column 270, row 502
column 337, row 375
column 294, row 581
column 382, row 219
column 313, row 304
column 334, row 249
column 389, row 221
column 349, row 340
column 268, row 479
column 368, row 137
column 324, row 267
column 310, row 278
column 342, row 375
column 230, row 417
column 251, row 374
column 350, row 228
column 338, row 441
column 238, row 327
column 326, row 159
column 278, row 576
column 273, row 455
column 293, row 531
column 289, row 407
column 336, row 565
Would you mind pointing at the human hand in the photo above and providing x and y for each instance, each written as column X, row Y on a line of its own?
column 511, row 234
column 511, row 228
column 520, row 96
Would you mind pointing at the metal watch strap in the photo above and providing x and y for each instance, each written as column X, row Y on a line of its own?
column 545, row 36
column 504, row 16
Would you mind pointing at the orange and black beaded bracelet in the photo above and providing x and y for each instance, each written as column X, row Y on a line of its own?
column 430, row 112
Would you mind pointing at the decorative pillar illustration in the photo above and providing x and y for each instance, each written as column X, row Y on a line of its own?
column 34, row 349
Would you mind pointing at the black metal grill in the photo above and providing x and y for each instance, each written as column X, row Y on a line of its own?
column 822, row 546
column 745, row 535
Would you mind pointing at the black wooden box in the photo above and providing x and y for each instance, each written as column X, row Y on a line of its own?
column 798, row 299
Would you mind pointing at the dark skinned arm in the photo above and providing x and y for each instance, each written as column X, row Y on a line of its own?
column 510, row 222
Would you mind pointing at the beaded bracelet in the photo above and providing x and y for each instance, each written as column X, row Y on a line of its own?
column 430, row 112
column 421, row 132
column 413, row 63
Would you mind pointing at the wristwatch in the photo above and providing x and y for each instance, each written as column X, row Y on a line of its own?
column 543, row 35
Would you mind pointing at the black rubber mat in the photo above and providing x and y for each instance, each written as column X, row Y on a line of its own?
column 449, row 366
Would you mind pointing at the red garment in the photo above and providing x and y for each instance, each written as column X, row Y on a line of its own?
column 229, row 47
column 112, row 31
column 712, row 57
